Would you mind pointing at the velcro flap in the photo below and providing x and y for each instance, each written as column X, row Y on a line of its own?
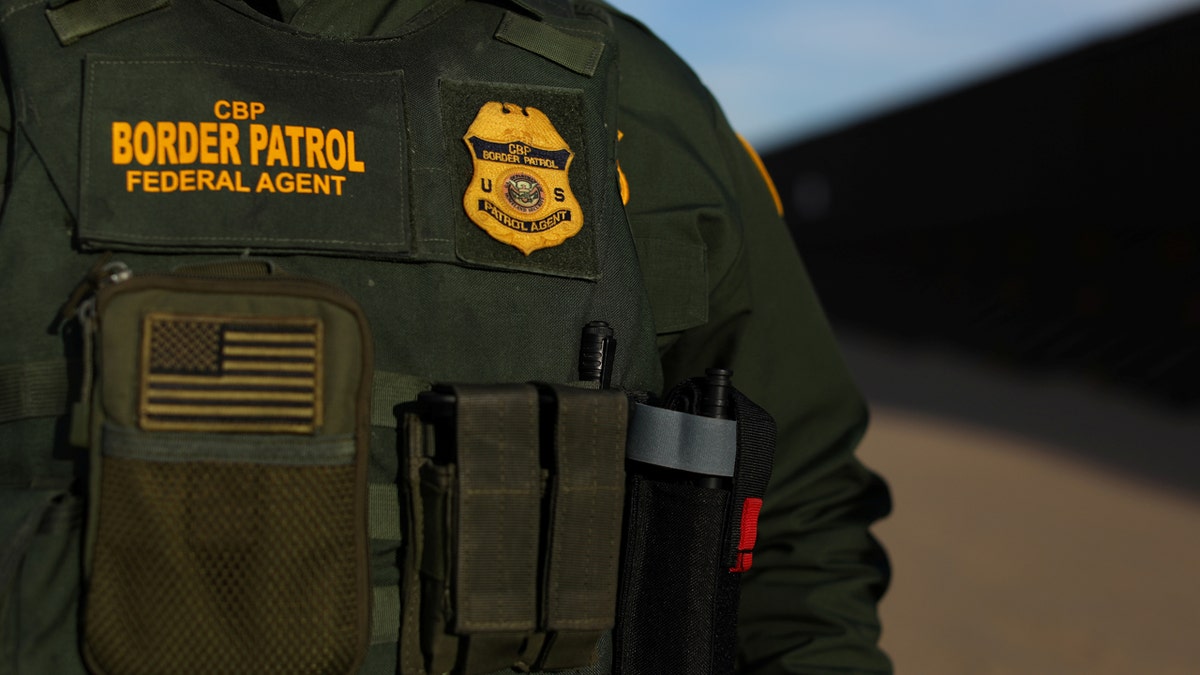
column 588, row 489
column 499, row 506
column 572, row 52
column 74, row 20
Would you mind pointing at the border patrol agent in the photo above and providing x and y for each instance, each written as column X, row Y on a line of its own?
column 453, row 188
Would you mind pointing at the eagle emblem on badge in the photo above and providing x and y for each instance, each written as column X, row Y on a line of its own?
column 520, row 193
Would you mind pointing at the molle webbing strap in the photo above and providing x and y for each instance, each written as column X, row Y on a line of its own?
column 35, row 389
column 579, row 54
column 410, row 660
column 384, row 524
column 389, row 389
column 385, row 614
column 230, row 269
column 583, row 550
column 383, row 509
column 495, row 585
column 78, row 18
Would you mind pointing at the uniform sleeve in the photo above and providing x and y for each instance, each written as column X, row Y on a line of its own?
column 735, row 293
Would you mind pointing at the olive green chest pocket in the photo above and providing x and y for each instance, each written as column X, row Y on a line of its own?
column 227, row 526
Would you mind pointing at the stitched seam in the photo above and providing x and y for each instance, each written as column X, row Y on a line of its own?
column 148, row 237
column 19, row 8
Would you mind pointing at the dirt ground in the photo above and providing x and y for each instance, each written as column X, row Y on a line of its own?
column 1013, row 556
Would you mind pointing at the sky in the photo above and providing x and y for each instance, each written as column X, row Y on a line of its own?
column 786, row 69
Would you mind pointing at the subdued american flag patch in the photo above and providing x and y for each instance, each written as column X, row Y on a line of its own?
column 230, row 374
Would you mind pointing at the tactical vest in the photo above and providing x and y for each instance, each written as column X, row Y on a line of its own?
column 457, row 180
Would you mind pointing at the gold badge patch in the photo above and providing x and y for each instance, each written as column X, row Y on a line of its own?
column 520, row 193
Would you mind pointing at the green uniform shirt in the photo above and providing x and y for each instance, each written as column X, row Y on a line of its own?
column 809, row 602
column 728, row 289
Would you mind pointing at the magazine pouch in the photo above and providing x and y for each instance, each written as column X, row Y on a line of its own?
column 521, row 488
column 227, row 515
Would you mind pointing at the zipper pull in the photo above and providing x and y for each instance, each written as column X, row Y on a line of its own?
column 103, row 273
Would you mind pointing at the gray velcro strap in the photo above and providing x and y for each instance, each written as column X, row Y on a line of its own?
column 385, row 615
column 389, row 389
column 383, row 520
column 572, row 52
column 587, row 496
column 76, row 19
column 499, row 510
column 682, row 441
column 35, row 389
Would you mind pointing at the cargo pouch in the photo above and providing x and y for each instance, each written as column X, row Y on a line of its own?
column 227, row 516
column 695, row 491
column 519, row 494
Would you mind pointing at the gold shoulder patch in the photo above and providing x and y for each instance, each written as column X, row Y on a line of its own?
column 762, row 168
column 622, row 181
column 519, row 193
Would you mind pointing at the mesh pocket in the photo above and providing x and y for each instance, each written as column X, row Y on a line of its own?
column 226, row 567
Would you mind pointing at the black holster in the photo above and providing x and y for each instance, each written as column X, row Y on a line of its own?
column 695, row 490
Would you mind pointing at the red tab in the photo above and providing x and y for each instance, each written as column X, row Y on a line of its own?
column 747, row 534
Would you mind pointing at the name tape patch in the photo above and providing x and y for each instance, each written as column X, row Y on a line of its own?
column 214, row 155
